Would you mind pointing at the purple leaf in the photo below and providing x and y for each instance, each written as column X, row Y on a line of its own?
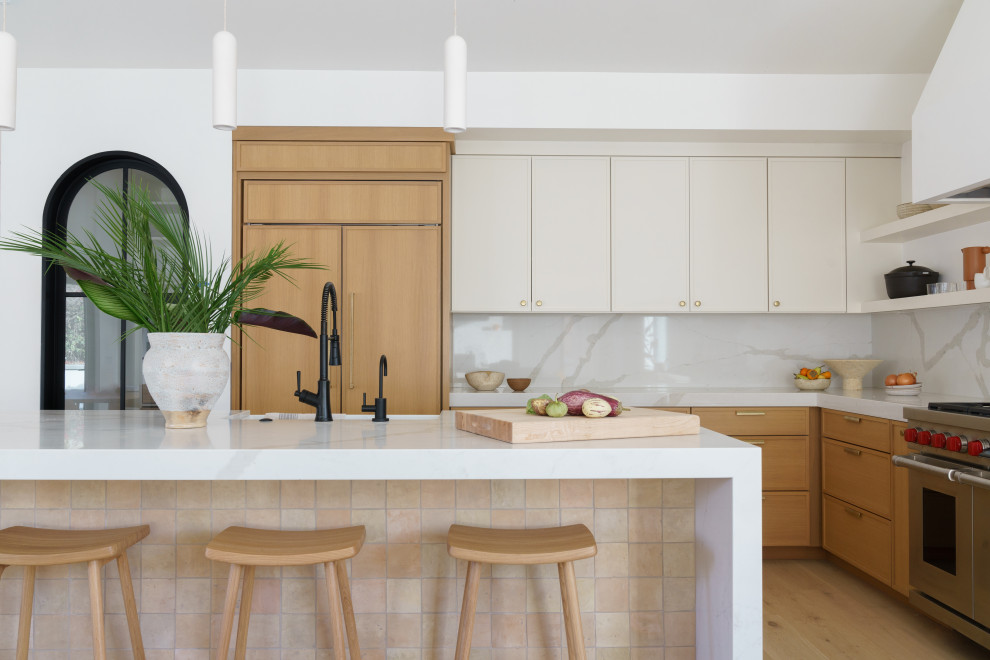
column 81, row 276
column 268, row 318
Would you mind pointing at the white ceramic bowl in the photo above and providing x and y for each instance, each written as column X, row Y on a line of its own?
column 484, row 381
column 904, row 390
column 852, row 371
column 818, row 384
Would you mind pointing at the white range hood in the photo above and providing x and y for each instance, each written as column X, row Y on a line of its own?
column 951, row 123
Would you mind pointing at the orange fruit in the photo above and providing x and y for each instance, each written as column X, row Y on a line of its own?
column 804, row 371
column 812, row 375
column 827, row 374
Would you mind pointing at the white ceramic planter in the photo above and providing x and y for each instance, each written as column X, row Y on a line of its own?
column 185, row 373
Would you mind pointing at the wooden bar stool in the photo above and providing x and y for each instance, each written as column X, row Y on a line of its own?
column 31, row 547
column 553, row 545
column 244, row 548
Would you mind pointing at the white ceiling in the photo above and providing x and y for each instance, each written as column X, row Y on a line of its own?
column 687, row 36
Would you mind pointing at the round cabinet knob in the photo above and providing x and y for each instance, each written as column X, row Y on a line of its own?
column 776, row 303
column 697, row 303
column 539, row 303
column 522, row 303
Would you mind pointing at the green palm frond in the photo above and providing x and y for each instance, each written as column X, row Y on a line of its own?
column 151, row 268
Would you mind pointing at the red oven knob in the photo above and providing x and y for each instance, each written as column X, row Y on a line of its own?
column 925, row 438
column 956, row 443
column 977, row 447
column 938, row 440
column 911, row 435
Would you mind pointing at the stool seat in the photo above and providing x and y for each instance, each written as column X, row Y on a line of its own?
column 246, row 546
column 553, row 545
column 30, row 546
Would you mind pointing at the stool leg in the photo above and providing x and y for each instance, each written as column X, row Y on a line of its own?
column 336, row 611
column 96, row 610
column 466, row 627
column 345, row 598
column 229, row 605
column 247, row 593
column 572, row 611
column 27, row 604
column 130, row 606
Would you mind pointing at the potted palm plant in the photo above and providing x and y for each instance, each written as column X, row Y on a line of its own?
column 153, row 270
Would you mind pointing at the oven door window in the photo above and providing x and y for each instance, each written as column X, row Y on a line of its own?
column 938, row 537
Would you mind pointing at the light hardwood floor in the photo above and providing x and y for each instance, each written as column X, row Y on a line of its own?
column 813, row 609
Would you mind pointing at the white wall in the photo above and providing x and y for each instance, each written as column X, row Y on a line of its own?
column 66, row 115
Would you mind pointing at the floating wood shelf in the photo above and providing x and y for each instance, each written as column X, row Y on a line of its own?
column 972, row 297
column 929, row 223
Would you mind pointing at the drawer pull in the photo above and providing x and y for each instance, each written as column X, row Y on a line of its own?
column 854, row 420
column 854, row 512
column 749, row 413
column 850, row 450
column 755, row 442
column 764, row 498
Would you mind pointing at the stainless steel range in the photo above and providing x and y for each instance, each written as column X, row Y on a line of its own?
column 949, row 514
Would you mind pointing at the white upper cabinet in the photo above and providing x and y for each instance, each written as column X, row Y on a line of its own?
column 490, row 234
column 650, row 235
column 570, row 236
column 728, row 234
column 807, row 245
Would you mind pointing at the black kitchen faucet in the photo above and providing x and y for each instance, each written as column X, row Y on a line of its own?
column 379, row 406
column 321, row 399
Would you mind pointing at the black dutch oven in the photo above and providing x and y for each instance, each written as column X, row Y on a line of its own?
column 909, row 280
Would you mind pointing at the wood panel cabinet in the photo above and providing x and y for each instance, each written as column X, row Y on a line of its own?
column 374, row 212
column 863, row 507
column 269, row 359
column 807, row 221
column 729, row 234
column 571, row 234
column 391, row 306
column 790, row 467
column 650, row 235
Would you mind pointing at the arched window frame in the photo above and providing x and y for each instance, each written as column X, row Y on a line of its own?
column 53, row 293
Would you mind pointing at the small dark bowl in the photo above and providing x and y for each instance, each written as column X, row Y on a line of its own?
column 518, row 384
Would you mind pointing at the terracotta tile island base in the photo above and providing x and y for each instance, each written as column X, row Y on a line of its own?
column 677, row 521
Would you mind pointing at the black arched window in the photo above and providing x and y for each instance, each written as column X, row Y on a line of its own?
column 84, row 363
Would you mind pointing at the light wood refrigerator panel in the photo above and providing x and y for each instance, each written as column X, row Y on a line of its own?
column 270, row 359
column 391, row 306
column 571, row 234
column 490, row 234
column 379, row 202
column 807, row 234
column 650, row 235
column 728, row 234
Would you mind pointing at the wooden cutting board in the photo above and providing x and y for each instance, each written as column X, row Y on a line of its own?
column 516, row 426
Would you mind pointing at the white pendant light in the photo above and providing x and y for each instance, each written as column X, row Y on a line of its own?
column 455, row 81
column 8, row 77
column 224, row 78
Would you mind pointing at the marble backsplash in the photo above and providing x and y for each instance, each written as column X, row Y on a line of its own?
column 949, row 347
column 617, row 351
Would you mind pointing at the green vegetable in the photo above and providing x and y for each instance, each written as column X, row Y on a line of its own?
column 556, row 408
column 529, row 404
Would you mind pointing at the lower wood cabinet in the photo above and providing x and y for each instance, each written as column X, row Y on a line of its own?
column 864, row 510
column 790, row 467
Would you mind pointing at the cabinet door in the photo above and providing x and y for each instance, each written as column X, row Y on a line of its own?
column 807, row 236
column 391, row 306
column 649, row 234
column 571, row 234
column 270, row 359
column 344, row 202
column 729, row 234
column 490, row 234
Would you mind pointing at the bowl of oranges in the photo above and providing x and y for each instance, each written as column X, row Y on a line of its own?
column 813, row 378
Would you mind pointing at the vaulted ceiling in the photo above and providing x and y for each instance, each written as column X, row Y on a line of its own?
column 685, row 36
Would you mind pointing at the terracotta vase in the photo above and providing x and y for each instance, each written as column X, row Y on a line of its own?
column 185, row 373
column 974, row 261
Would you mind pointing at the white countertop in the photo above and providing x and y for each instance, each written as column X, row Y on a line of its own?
column 874, row 402
column 136, row 445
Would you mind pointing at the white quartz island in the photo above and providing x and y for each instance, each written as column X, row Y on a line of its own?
column 53, row 445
